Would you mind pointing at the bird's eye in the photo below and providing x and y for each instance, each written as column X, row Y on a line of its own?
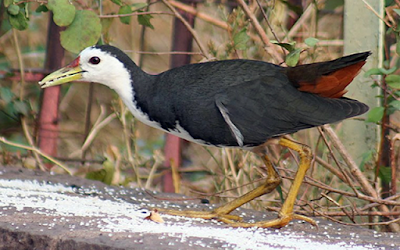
column 94, row 60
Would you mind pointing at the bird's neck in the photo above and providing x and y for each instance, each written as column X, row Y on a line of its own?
column 124, row 79
column 132, row 84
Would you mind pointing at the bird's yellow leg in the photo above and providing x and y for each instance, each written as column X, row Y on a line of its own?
column 273, row 179
column 222, row 213
column 286, row 213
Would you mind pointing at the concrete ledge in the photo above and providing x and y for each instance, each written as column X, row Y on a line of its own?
column 43, row 211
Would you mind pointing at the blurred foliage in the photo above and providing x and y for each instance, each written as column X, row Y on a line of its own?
column 83, row 27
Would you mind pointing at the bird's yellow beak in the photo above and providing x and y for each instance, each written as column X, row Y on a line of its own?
column 69, row 73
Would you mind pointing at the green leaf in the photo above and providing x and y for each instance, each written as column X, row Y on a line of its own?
column 373, row 71
column 26, row 10
column 398, row 43
column 126, row 9
column 388, row 71
column 379, row 71
column 104, row 175
column 106, row 24
column 288, row 46
column 375, row 114
column 13, row 9
column 366, row 157
column 6, row 95
column 395, row 104
column 385, row 173
column 397, row 11
column 8, row 3
column 118, row 2
column 240, row 39
column 139, row 6
column 280, row 192
column 293, row 58
column 63, row 10
column 331, row 5
column 311, row 41
column 84, row 31
column 41, row 8
column 393, row 81
column 19, row 21
column 398, row 47
column 145, row 20
column 21, row 107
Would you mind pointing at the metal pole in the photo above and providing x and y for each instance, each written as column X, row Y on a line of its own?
column 182, row 41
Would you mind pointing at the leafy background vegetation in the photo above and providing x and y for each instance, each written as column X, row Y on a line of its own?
column 120, row 151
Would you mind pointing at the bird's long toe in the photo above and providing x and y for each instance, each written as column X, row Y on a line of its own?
column 280, row 222
column 207, row 215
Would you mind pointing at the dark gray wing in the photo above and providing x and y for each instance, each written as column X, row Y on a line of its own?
column 270, row 106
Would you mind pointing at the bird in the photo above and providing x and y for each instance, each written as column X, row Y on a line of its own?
column 238, row 103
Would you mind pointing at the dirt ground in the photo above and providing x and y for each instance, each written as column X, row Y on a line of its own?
column 44, row 211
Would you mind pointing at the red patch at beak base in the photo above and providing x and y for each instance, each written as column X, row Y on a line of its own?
column 74, row 63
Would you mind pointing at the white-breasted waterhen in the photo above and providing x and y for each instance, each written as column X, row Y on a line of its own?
column 232, row 103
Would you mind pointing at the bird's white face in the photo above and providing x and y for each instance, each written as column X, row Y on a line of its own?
column 102, row 67
column 92, row 65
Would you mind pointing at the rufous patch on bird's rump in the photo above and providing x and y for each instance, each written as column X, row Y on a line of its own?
column 334, row 84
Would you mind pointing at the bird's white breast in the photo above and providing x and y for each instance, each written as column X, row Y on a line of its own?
column 127, row 94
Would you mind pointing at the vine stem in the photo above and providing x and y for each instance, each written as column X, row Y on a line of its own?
column 21, row 97
column 259, row 29
column 37, row 151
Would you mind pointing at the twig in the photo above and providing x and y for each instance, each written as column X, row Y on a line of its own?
column 372, row 205
column 358, row 213
column 99, row 124
column 376, row 13
column 21, row 97
column 347, row 178
column 136, row 14
column 269, row 25
column 189, row 27
column 157, row 163
column 266, row 19
column 313, row 182
column 339, row 206
column 30, row 141
column 350, row 162
column 386, row 223
column 306, row 14
column 31, row 1
column 127, row 139
column 201, row 15
column 21, row 65
column 357, row 173
column 328, row 215
column 331, row 168
column 165, row 53
column 35, row 150
column 88, row 116
column 259, row 29
column 207, row 18
column 393, row 164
